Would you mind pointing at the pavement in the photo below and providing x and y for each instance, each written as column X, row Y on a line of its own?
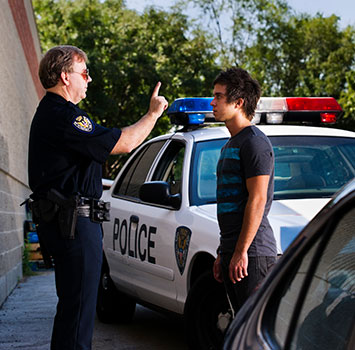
column 26, row 321
column 26, row 317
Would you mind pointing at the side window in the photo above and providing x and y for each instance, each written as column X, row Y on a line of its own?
column 312, row 166
column 327, row 315
column 137, row 170
column 170, row 167
column 325, row 319
column 203, row 173
column 289, row 299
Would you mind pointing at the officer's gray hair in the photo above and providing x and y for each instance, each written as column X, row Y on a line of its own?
column 57, row 60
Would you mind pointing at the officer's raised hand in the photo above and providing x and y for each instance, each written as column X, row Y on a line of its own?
column 158, row 104
column 132, row 136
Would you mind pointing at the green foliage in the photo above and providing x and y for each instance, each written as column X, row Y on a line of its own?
column 128, row 54
column 289, row 54
column 347, row 101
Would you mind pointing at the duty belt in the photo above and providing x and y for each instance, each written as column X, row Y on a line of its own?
column 96, row 210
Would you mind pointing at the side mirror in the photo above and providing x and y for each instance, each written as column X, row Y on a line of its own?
column 158, row 192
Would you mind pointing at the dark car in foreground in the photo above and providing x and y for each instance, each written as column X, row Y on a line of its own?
column 308, row 300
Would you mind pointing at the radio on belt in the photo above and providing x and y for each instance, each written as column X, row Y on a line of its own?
column 196, row 111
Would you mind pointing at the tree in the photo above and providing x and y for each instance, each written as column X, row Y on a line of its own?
column 128, row 53
column 347, row 100
column 289, row 54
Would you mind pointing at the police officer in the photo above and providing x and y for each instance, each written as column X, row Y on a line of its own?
column 66, row 153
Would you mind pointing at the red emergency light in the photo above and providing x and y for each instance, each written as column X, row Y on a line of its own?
column 312, row 104
column 277, row 110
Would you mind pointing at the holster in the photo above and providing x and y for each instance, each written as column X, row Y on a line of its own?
column 42, row 210
column 56, row 207
column 67, row 212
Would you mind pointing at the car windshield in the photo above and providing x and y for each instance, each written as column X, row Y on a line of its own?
column 305, row 167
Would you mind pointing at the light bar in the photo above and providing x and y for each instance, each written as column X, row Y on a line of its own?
column 274, row 118
column 270, row 110
column 271, row 104
column 191, row 111
column 312, row 104
column 328, row 118
column 191, row 105
column 298, row 110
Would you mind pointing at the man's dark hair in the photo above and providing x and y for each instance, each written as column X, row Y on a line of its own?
column 57, row 60
column 239, row 84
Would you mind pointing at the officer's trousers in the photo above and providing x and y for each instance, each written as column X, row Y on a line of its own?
column 77, row 273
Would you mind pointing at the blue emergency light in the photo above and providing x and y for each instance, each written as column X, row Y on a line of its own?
column 191, row 111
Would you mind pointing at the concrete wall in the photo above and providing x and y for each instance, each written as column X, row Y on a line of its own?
column 20, row 92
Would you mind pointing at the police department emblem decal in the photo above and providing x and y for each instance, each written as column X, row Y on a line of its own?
column 83, row 123
column 182, row 242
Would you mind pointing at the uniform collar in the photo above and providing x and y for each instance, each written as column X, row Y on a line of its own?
column 55, row 97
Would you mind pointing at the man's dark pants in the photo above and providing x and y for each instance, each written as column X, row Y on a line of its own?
column 77, row 273
column 239, row 292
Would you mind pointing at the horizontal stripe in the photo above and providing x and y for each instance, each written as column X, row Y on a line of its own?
column 227, row 179
column 230, row 153
column 223, row 208
column 228, row 192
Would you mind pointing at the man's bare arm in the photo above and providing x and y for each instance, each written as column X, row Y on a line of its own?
column 257, row 187
column 132, row 136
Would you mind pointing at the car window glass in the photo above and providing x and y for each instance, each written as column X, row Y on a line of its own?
column 305, row 167
column 170, row 166
column 137, row 170
column 329, row 306
column 290, row 295
column 312, row 166
column 203, row 177
column 327, row 316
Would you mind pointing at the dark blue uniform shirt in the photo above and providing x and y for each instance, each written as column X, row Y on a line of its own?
column 67, row 149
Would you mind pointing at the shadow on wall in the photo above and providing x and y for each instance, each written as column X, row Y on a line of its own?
column 11, row 227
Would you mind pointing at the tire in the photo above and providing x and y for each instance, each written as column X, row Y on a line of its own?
column 113, row 306
column 207, row 313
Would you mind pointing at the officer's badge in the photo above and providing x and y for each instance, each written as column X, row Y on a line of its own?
column 182, row 242
column 83, row 123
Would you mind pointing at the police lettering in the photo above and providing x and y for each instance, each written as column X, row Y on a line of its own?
column 133, row 240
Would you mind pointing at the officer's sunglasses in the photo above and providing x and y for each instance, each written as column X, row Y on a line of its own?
column 85, row 74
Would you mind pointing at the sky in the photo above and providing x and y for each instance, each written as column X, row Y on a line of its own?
column 345, row 9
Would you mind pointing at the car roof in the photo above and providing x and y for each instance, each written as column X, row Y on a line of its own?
column 210, row 133
column 302, row 130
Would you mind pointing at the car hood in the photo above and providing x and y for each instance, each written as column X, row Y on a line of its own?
column 306, row 208
column 287, row 217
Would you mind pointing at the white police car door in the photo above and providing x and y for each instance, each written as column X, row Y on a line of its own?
column 144, row 233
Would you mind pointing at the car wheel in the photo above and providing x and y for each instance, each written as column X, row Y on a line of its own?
column 113, row 306
column 207, row 313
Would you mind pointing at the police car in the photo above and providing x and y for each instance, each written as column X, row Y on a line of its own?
column 160, row 244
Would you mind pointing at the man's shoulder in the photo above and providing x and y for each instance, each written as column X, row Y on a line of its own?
column 257, row 137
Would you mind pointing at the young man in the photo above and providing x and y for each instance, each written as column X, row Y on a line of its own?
column 66, row 153
column 245, row 175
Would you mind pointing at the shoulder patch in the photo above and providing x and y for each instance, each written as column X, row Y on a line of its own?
column 83, row 123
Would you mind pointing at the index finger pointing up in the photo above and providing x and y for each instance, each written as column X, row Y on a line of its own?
column 156, row 89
